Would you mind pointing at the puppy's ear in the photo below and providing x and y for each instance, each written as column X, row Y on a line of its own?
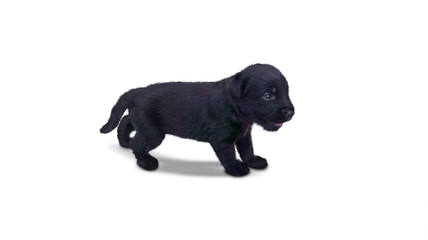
column 236, row 85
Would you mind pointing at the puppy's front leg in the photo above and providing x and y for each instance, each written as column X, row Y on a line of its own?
column 226, row 154
column 244, row 145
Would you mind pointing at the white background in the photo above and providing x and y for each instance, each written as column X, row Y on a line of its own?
column 352, row 164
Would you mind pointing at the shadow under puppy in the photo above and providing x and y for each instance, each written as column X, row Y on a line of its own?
column 220, row 113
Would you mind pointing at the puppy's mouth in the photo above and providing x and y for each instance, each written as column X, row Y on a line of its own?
column 271, row 126
column 276, row 126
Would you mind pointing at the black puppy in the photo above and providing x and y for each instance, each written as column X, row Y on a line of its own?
column 220, row 113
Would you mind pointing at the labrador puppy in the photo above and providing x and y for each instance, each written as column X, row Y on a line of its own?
column 220, row 113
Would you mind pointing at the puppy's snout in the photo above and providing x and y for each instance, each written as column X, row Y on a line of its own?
column 287, row 113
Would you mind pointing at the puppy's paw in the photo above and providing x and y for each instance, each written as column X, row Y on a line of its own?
column 148, row 163
column 237, row 169
column 256, row 162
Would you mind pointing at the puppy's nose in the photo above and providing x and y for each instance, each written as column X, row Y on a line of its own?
column 288, row 113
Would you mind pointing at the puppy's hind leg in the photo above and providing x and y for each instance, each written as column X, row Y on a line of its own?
column 123, row 132
column 145, row 140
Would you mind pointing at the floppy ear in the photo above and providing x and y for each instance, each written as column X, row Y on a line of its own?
column 236, row 85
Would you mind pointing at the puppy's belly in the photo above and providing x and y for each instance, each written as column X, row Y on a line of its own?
column 186, row 130
column 178, row 131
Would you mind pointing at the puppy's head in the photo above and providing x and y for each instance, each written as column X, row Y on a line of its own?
column 260, row 92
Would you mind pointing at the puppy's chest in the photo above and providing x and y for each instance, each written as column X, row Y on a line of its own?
column 238, row 132
column 245, row 129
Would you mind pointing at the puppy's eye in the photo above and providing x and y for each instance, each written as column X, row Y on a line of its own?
column 268, row 96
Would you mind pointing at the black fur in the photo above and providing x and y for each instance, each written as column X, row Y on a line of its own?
column 220, row 113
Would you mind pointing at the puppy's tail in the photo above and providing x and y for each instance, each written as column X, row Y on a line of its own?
column 122, row 104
